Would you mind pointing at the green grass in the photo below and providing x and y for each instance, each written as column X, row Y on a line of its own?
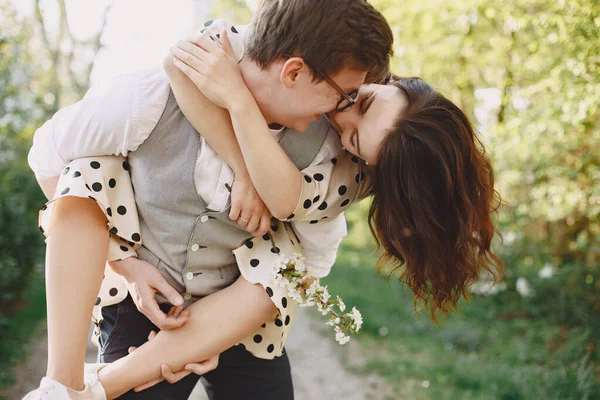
column 484, row 352
column 17, row 329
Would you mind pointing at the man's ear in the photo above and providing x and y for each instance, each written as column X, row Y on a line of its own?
column 292, row 71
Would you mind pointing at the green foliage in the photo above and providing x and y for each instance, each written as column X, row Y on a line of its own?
column 497, row 347
column 528, row 74
column 234, row 11
column 528, row 70
column 20, row 198
column 21, row 243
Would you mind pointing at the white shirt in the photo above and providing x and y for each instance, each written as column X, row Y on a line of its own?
column 116, row 117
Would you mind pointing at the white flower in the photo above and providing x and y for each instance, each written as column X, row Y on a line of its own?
column 291, row 273
column 547, row 271
column 340, row 303
column 524, row 288
column 341, row 338
column 357, row 317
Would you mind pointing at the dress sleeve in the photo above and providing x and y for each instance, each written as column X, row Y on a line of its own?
column 329, row 188
column 320, row 243
column 214, row 28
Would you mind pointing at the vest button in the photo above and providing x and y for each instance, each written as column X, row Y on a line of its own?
column 189, row 276
column 187, row 296
column 204, row 218
column 195, row 247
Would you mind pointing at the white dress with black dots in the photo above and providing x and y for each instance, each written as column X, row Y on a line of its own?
column 106, row 180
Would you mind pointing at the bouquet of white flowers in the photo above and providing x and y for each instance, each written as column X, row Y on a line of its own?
column 291, row 272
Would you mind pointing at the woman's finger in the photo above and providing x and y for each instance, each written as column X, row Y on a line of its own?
column 131, row 349
column 191, row 73
column 207, row 43
column 244, row 219
column 225, row 43
column 263, row 228
column 194, row 50
column 234, row 213
column 189, row 59
column 253, row 223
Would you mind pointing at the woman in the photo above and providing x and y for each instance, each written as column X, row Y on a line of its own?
column 431, row 182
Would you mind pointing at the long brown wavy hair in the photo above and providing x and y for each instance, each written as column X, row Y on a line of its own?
column 435, row 223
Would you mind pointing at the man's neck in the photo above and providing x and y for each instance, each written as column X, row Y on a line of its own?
column 257, row 81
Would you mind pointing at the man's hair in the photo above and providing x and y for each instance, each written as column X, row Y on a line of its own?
column 328, row 34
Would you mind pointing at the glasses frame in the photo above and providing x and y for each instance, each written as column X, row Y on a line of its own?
column 345, row 96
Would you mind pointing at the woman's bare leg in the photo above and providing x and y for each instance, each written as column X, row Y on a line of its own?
column 76, row 252
column 216, row 323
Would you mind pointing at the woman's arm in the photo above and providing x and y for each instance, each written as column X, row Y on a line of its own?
column 253, row 134
column 210, row 120
column 207, row 333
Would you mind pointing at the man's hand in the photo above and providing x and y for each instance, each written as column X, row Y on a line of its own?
column 172, row 377
column 248, row 208
column 143, row 281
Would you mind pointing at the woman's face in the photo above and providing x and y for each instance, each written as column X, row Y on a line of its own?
column 364, row 126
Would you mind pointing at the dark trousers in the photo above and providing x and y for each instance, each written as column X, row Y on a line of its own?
column 239, row 376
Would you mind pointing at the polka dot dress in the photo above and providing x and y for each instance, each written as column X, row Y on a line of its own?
column 105, row 180
column 328, row 189
column 256, row 261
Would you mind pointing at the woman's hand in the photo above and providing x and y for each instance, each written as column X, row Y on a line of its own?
column 172, row 377
column 209, row 63
column 248, row 208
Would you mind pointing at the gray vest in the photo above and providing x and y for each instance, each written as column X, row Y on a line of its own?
column 189, row 244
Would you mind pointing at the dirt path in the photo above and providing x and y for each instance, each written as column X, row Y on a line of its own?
column 318, row 372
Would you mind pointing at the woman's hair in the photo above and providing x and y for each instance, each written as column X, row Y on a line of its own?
column 436, row 221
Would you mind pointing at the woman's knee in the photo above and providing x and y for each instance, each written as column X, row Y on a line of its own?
column 74, row 212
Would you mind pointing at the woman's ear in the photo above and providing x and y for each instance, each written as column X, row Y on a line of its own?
column 292, row 70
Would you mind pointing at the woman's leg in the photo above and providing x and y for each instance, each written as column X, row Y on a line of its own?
column 76, row 252
column 217, row 322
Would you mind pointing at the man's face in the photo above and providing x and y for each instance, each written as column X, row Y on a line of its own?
column 302, row 101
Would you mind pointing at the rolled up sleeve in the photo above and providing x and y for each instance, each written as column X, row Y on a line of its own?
column 112, row 119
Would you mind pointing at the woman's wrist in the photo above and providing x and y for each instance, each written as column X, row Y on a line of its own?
column 243, row 102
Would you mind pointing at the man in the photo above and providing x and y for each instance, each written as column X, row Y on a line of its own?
column 189, row 242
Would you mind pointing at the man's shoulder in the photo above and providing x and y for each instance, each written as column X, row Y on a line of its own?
column 140, row 79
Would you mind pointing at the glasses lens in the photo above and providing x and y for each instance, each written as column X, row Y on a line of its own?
column 344, row 103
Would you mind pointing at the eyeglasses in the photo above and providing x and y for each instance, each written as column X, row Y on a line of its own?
column 347, row 100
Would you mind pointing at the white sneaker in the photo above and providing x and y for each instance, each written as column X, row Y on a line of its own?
column 52, row 390
column 90, row 378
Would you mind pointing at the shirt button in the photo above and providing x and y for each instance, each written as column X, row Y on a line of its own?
column 189, row 276
column 187, row 296
column 204, row 218
column 195, row 247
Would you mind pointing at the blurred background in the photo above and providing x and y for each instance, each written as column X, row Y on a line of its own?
column 528, row 74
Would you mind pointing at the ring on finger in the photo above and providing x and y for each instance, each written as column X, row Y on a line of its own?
column 244, row 219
